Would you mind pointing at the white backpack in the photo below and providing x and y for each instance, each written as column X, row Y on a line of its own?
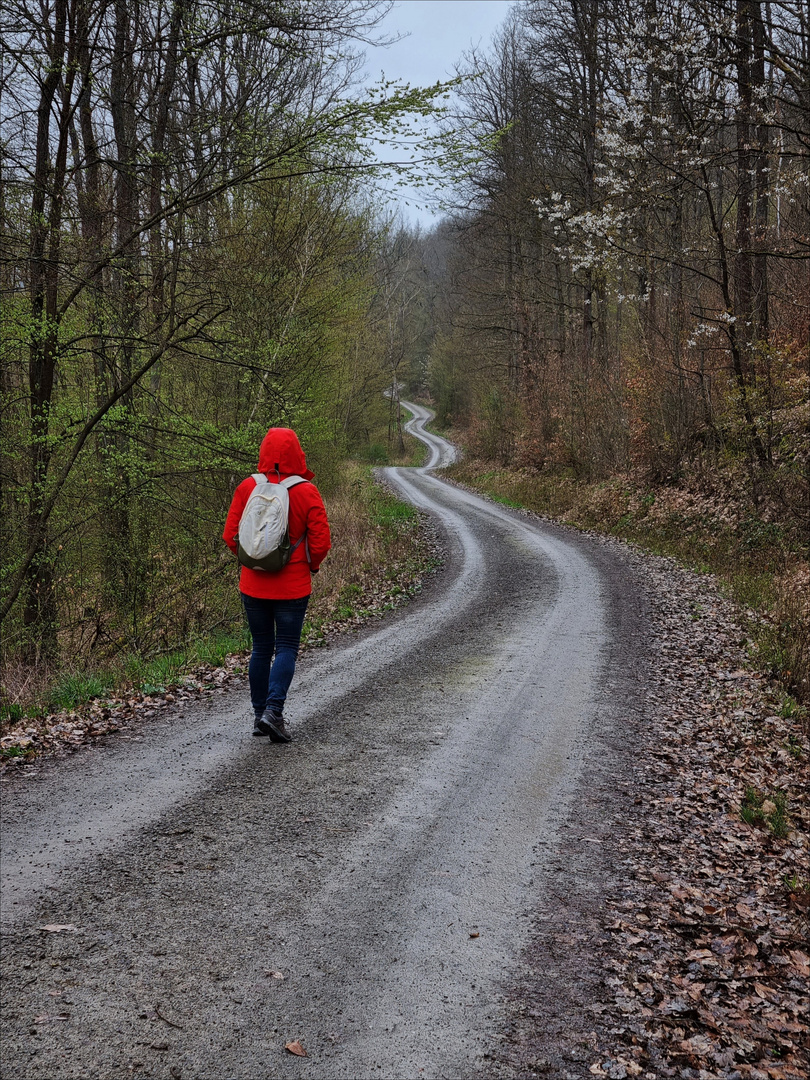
column 264, row 529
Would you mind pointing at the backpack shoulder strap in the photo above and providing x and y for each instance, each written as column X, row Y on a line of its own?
column 259, row 477
column 293, row 481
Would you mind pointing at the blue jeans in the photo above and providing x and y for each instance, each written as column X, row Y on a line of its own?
column 275, row 626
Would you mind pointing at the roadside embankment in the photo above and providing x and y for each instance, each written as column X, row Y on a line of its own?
column 759, row 556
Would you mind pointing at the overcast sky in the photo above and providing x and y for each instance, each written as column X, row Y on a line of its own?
column 439, row 31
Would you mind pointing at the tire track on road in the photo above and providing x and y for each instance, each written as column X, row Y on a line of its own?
column 434, row 758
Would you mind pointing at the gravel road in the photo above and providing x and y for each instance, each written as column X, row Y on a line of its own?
column 387, row 863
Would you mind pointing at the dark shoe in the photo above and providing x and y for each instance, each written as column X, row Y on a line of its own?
column 272, row 724
column 257, row 728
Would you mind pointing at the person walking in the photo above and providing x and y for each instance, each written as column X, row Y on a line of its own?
column 276, row 601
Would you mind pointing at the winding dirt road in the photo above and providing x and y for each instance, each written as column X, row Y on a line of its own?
column 386, row 863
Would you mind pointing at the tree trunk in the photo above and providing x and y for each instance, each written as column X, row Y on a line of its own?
column 743, row 277
column 762, row 183
column 125, row 280
column 39, row 614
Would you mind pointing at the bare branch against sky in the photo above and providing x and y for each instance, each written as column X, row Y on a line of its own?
column 437, row 33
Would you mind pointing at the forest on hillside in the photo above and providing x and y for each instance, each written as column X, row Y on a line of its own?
column 627, row 280
column 193, row 251
column 620, row 297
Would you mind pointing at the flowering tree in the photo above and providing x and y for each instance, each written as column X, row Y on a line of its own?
column 665, row 276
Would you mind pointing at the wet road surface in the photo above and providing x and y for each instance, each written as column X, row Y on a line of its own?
column 383, row 864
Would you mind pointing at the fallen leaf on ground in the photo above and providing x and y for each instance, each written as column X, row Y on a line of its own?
column 58, row 928
column 295, row 1048
column 801, row 961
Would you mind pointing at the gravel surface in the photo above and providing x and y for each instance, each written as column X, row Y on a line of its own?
column 368, row 892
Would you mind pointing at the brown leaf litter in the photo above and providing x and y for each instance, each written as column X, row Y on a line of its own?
column 295, row 1048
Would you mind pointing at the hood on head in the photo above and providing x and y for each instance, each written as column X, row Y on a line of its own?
column 281, row 450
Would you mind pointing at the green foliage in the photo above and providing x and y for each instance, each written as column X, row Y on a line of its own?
column 147, row 675
column 797, row 884
column 789, row 708
column 451, row 387
column 375, row 454
column 246, row 300
column 751, row 807
column 73, row 690
column 7, row 752
column 11, row 714
column 768, row 811
column 387, row 510
column 755, row 534
column 159, row 673
column 139, row 567
column 794, row 747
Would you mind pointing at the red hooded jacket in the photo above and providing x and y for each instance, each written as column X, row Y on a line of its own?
column 281, row 456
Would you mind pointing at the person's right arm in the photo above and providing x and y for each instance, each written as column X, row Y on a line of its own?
column 240, row 498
